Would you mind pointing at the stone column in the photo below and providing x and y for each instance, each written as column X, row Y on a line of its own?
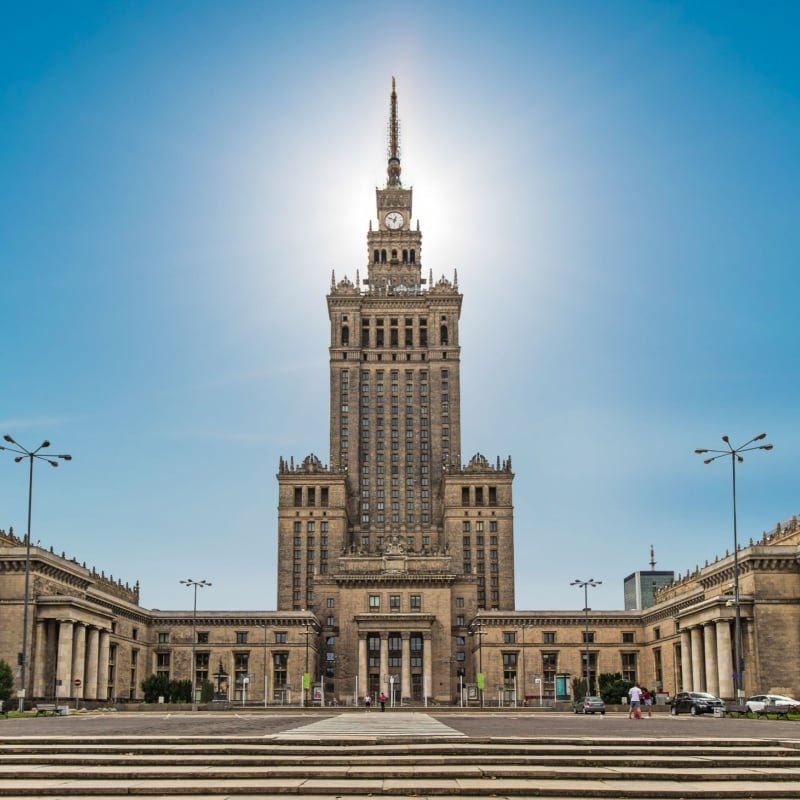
column 92, row 656
column 40, row 658
column 405, row 675
column 712, row 671
column 697, row 659
column 78, row 660
column 384, row 684
column 724, row 659
column 686, row 661
column 363, row 680
column 427, row 672
column 64, row 665
column 102, row 666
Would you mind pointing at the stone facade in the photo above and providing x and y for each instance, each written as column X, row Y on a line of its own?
column 396, row 559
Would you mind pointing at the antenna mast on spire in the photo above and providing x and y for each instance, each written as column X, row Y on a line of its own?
column 652, row 558
column 393, row 170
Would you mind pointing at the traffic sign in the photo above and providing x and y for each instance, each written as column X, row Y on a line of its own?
column 77, row 682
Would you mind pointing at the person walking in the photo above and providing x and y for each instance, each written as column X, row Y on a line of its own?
column 367, row 701
column 635, row 695
column 382, row 701
column 647, row 699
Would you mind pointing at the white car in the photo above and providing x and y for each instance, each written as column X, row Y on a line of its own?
column 758, row 701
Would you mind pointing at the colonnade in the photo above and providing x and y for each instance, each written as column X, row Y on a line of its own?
column 405, row 663
column 70, row 650
column 707, row 658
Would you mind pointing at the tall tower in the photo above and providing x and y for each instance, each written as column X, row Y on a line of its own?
column 395, row 546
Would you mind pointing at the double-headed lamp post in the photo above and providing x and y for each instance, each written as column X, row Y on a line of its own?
column 195, row 585
column 52, row 460
column 585, row 586
column 734, row 453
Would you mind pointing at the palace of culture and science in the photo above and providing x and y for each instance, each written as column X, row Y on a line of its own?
column 396, row 558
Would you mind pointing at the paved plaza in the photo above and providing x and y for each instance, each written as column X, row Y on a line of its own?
column 313, row 723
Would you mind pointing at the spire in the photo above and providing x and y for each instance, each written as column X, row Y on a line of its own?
column 652, row 558
column 393, row 169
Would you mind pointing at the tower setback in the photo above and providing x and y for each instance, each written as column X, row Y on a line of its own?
column 395, row 545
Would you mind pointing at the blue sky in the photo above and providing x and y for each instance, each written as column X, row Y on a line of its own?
column 616, row 184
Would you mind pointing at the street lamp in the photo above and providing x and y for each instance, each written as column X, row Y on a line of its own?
column 734, row 453
column 195, row 585
column 306, row 676
column 52, row 460
column 481, row 679
column 585, row 586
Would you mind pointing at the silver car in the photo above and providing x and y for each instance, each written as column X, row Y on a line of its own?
column 590, row 705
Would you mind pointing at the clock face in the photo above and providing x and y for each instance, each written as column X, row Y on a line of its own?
column 393, row 220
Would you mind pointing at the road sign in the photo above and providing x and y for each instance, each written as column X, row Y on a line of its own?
column 77, row 682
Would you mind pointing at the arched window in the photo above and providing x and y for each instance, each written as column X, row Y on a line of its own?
column 376, row 256
column 405, row 256
column 413, row 257
column 345, row 335
column 394, row 255
column 443, row 335
column 383, row 256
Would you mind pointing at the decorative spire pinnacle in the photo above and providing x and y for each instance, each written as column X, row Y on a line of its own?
column 393, row 169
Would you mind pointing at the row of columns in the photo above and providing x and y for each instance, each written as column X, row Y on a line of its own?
column 70, row 650
column 707, row 658
column 405, row 668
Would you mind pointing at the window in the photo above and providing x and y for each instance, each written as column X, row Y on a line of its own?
column 509, row 637
column 280, row 662
column 394, row 602
column 163, row 638
column 465, row 527
column 329, row 603
column 629, row 667
column 549, row 637
column 415, row 602
column 374, row 601
column 627, row 637
column 460, row 621
column 162, row 664
column 202, row 637
column 459, row 602
column 465, row 495
column 281, row 637
column 241, row 637
column 588, row 637
column 656, row 633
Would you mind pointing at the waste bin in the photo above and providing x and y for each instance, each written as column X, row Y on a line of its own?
column 719, row 712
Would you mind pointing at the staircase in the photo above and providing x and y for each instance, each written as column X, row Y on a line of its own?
column 60, row 767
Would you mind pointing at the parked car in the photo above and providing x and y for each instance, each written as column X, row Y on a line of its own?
column 590, row 705
column 758, row 701
column 695, row 703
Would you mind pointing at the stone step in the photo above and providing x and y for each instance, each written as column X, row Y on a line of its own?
column 61, row 767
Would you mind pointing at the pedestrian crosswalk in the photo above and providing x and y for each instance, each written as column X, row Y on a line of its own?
column 363, row 724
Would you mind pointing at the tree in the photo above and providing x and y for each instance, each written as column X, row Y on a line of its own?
column 155, row 686
column 6, row 680
column 180, row 691
column 613, row 687
column 207, row 692
column 578, row 688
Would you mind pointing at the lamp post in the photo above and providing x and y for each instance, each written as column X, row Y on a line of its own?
column 306, row 676
column 734, row 453
column 585, row 586
column 481, row 679
column 52, row 460
column 524, row 679
column 195, row 585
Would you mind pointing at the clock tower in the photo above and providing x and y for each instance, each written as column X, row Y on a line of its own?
column 395, row 545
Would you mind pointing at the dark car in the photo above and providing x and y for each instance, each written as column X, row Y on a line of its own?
column 590, row 705
column 695, row 703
